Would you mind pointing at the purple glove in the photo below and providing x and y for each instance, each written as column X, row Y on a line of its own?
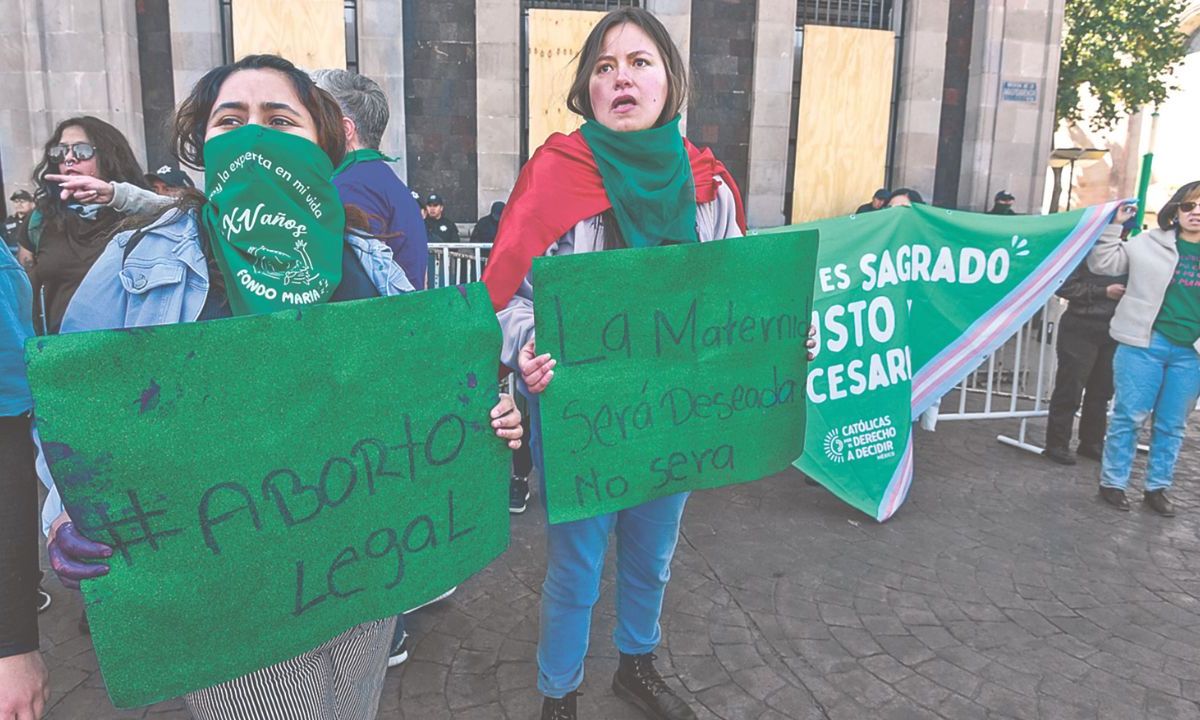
column 68, row 551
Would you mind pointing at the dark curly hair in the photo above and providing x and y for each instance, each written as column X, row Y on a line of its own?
column 115, row 162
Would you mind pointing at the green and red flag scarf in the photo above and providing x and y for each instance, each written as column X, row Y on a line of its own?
column 560, row 186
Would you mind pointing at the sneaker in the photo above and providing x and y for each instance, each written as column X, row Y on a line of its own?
column 439, row 598
column 1115, row 497
column 1091, row 452
column 44, row 599
column 1159, row 502
column 562, row 708
column 399, row 654
column 1062, row 456
column 518, row 494
column 638, row 682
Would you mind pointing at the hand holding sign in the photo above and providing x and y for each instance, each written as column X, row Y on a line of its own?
column 536, row 370
column 71, row 554
column 345, row 497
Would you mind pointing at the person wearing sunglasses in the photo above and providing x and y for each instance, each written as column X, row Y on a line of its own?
column 87, row 181
column 1157, row 327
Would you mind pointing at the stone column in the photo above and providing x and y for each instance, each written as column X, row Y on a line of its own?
column 676, row 16
column 381, row 58
column 1010, row 115
column 919, row 103
column 61, row 59
column 770, row 112
column 498, row 95
column 196, row 48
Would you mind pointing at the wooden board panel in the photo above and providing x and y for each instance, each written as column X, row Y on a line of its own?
column 310, row 33
column 554, row 36
column 845, row 107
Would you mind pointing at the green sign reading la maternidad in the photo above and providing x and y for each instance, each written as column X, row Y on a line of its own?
column 268, row 482
column 679, row 368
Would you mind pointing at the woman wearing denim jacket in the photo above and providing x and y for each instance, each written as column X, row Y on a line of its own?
column 251, row 247
column 1157, row 325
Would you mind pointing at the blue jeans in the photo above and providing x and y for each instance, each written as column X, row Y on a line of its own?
column 646, row 538
column 1163, row 379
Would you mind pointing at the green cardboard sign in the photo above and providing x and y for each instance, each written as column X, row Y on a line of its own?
column 267, row 482
column 679, row 368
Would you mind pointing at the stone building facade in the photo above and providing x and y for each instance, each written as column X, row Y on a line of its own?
column 453, row 70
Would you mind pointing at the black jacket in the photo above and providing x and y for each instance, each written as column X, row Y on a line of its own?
column 1086, row 296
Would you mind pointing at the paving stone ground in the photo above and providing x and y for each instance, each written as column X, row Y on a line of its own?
column 1002, row 589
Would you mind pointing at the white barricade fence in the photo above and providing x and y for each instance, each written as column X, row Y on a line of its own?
column 1013, row 383
column 456, row 263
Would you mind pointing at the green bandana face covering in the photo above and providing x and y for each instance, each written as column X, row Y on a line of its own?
column 360, row 155
column 274, row 218
column 648, row 180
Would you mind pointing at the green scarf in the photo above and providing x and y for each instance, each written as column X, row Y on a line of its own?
column 360, row 155
column 274, row 218
column 648, row 180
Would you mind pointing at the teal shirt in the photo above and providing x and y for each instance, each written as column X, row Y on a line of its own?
column 1179, row 318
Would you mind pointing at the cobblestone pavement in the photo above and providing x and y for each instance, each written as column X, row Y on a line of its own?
column 1003, row 589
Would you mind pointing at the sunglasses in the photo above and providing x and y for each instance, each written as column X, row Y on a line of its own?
column 1187, row 207
column 81, row 151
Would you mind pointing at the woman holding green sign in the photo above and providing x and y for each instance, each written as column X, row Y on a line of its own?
column 271, row 235
column 1156, row 367
column 627, row 178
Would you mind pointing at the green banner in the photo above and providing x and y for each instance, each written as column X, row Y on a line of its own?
column 259, row 500
column 909, row 301
column 679, row 368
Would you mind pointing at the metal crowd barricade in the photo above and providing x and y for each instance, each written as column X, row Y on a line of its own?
column 1015, row 382
column 456, row 263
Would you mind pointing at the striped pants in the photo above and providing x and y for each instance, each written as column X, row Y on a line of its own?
column 340, row 680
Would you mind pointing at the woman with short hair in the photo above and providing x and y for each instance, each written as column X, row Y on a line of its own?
column 627, row 178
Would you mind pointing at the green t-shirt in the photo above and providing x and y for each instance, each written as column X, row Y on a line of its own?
column 1179, row 318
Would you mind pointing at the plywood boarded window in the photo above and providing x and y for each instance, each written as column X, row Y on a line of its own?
column 310, row 33
column 554, row 36
column 842, row 123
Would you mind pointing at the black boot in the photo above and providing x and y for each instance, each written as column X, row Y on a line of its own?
column 1159, row 502
column 639, row 683
column 1060, row 455
column 559, row 708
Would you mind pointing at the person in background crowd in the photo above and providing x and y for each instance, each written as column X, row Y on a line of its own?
column 170, row 182
column 440, row 227
column 486, row 226
column 22, row 206
column 1157, row 326
column 87, row 180
column 371, row 180
column 1003, row 204
column 262, row 104
column 905, row 196
column 24, row 691
column 878, row 200
column 1085, row 354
